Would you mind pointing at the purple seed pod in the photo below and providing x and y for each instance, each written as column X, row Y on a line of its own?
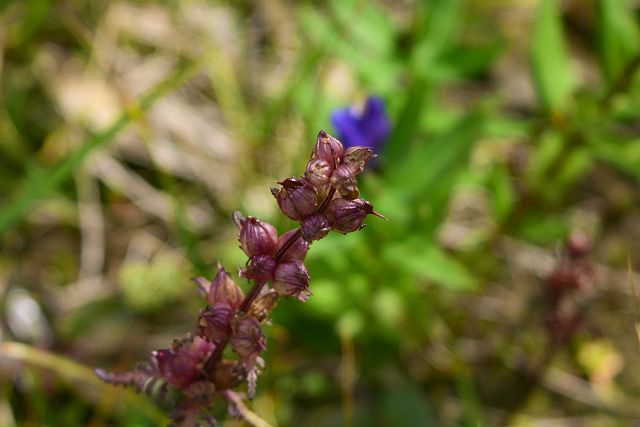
column 222, row 290
column 578, row 245
column 346, row 216
column 292, row 279
column 318, row 172
column 214, row 322
column 260, row 268
column 296, row 252
column 256, row 237
column 345, row 183
column 328, row 149
column 297, row 198
column 180, row 366
column 248, row 340
column 314, row 227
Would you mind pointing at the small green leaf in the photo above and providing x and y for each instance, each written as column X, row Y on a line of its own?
column 546, row 154
column 430, row 262
column 503, row 195
column 618, row 37
column 552, row 74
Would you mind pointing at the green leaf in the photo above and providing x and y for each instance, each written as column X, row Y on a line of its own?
column 549, row 147
column 427, row 261
column 42, row 183
column 428, row 163
column 618, row 37
column 405, row 404
column 550, row 64
column 575, row 166
column 503, row 195
column 406, row 123
column 439, row 28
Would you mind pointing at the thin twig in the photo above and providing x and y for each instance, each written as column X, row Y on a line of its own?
column 250, row 417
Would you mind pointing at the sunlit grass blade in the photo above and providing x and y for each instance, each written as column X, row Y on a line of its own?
column 41, row 183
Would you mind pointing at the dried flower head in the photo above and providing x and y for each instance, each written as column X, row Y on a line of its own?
column 325, row 199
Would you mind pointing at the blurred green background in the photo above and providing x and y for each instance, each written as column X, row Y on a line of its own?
column 131, row 130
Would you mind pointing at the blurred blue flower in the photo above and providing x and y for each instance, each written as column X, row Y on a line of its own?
column 368, row 127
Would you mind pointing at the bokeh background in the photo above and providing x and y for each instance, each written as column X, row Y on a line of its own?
column 131, row 130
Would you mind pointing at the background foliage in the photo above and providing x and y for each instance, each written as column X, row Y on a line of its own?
column 130, row 130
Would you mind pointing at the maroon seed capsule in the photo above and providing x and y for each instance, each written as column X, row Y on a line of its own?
column 260, row 268
column 314, row 227
column 256, row 237
column 345, row 183
column 318, row 172
column 292, row 279
column 328, row 149
column 247, row 339
column 296, row 252
column 297, row 198
column 346, row 216
column 224, row 290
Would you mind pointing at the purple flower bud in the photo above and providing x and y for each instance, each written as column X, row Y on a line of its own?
column 346, row 216
column 180, row 366
column 343, row 180
column 328, row 149
column 214, row 322
column 256, row 237
column 578, row 245
column 292, row 279
column 248, row 340
column 314, row 227
column 368, row 127
column 318, row 173
column 297, row 198
column 296, row 252
column 222, row 290
column 260, row 268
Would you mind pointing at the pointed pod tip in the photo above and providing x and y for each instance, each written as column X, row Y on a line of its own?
column 238, row 219
column 379, row 215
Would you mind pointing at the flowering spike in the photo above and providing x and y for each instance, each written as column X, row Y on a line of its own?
column 326, row 198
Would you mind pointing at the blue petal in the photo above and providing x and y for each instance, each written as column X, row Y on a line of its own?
column 370, row 128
